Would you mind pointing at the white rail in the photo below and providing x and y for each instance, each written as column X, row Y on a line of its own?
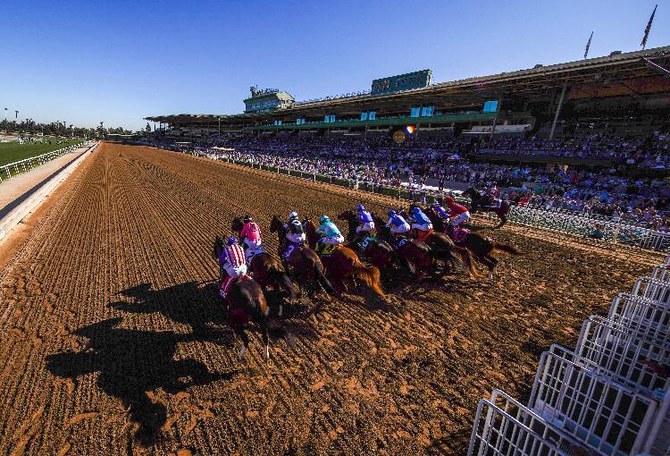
column 10, row 170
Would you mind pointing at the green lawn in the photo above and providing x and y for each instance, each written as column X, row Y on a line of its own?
column 13, row 151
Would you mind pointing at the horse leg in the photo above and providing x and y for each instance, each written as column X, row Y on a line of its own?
column 239, row 330
column 266, row 337
column 491, row 262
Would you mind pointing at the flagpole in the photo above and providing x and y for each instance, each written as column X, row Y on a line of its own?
column 648, row 28
column 588, row 45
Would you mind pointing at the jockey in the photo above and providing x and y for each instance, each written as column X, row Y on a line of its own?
column 492, row 194
column 250, row 235
column 420, row 221
column 295, row 233
column 233, row 264
column 330, row 233
column 398, row 225
column 457, row 212
column 365, row 223
column 440, row 211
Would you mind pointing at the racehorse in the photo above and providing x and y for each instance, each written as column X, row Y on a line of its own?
column 416, row 254
column 245, row 302
column 478, row 203
column 305, row 263
column 377, row 251
column 444, row 249
column 482, row 247
column 267, row 270
column 343, row 264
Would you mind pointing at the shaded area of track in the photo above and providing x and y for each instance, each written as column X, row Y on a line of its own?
column 112, row 338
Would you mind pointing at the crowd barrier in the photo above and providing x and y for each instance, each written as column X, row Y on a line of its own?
column 596, row 228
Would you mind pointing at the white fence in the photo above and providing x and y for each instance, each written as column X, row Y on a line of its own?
column 12, row 169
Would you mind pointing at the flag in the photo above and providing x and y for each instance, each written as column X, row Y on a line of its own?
column 588, row 45
column 646, row 30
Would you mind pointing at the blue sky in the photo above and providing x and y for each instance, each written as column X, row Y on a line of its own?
column 119, row 61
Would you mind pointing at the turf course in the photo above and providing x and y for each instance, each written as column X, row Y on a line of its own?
column 13, row 151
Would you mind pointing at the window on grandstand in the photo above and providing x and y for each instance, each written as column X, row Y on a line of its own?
column 427, row 111
column 415, row 112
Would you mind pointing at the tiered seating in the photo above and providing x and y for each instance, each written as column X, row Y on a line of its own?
column 608, row 396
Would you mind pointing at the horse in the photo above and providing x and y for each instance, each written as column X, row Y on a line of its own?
column 377, row 251
column 267, row 270
column 416, row 254
column 482, row 247
column 478, row 203
column 444, row 249
column 245, row 302
column 305, row 263
column 343, row 264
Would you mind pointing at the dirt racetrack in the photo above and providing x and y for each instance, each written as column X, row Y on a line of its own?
column 113, row 340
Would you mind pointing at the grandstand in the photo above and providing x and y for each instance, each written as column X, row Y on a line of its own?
column 546, row 100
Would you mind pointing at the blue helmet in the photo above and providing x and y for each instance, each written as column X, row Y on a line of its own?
column 324, row 219
column 360, row 208
column 391, row 213
column 231, row 241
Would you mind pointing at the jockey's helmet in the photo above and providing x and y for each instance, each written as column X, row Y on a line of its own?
column 324, row 219
column 231, row 240
column 247, row 218
column 293, row 215
column 360, row 208
column 391, row 213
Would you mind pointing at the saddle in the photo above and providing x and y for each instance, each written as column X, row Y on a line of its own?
column 325, row 249
column 228, row 282
column 422, row 235
column 250, row 254
column 363, row 243
column 290, row 247
column 459, row 235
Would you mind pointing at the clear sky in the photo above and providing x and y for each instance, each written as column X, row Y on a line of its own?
column 86, row 61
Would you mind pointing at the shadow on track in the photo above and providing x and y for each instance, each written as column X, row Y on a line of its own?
column 132, row 363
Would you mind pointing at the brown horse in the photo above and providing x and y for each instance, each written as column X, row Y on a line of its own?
column 343, row 264
column 267, row 270
column 245, row 302
column 419, row 258
column 482, row 247
column 478, row 203
column 303, row 262
column 445, row 249
column 377, row 251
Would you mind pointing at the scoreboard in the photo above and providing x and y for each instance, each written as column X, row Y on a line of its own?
column 400, row 82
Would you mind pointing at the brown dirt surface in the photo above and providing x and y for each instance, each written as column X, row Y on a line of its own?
column 112, row 340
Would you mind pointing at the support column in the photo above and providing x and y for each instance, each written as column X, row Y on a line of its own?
column 558, row 110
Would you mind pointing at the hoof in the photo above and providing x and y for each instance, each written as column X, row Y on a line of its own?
column 267, row 352
column 243, row 350
column 490, row 275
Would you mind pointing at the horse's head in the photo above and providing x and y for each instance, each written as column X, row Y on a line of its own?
column 218, row 247
column 237, row 224
column 276, row 226
column 347, row 215
column 310, row 231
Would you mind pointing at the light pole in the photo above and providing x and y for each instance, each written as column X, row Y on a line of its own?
column 5, row 114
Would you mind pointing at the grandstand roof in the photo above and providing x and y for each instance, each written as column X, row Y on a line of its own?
column 538, row 82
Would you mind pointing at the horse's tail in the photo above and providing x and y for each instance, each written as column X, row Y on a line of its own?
column 322, row 280
column 371, row 276
column 468, row 260
column 281, row 278
column 498, row 247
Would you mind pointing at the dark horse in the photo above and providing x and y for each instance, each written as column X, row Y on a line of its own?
column 267, row 270
column 343, row 264
column 245, row 302
column 306, row 265
column 418, row 256
column 445, row 249
column 377, row 251
column 482, row 247
column 479, row 203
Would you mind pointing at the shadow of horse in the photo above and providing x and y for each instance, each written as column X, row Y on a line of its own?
column 132, row 363
column 191, row 303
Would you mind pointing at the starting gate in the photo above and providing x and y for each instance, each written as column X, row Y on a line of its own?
column 649, row 288
column 644, row 316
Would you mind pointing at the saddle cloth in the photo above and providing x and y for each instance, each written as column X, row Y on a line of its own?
column 459, row 235
column 325, row 249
